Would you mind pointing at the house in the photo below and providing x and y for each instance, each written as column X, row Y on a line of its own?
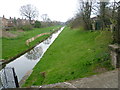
column 32, row 21
column 1, row 23
column 10, row 22
column 96, row 23
column 7, row 24
column 22, row 22
column 4, row 22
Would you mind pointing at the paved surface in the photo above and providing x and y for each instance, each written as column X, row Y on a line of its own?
column 104, row 80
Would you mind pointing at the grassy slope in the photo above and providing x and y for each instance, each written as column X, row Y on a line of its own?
column 13, row 46
column 74, row 54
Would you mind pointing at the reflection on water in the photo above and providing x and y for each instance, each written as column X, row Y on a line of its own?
column 48, row 40
column 35, row 53
column 26, row 62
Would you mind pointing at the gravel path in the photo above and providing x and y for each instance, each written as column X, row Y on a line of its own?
column 104, row 80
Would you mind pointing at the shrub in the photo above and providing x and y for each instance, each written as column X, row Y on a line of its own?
column 10, row 28
column 37, row 24
column 14, row 28
column 27, row 27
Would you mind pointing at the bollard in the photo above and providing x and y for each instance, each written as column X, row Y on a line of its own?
column 115, row 55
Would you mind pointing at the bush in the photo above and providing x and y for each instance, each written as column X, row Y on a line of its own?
column 27, row 27
column 14, row 28
column 10, row 28
column 37, row 24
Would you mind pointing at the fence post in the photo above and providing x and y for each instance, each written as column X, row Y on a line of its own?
column 15, row 78
column 115, row 55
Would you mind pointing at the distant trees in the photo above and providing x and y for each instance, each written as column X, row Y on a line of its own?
column 29, row 12
column 85, row 9
column 106, row 17
column 46, row 21
column 45, row 17
column 83, row 17
column 112, row 15
column 117, row 24
column 102, row 13
column 76, row 22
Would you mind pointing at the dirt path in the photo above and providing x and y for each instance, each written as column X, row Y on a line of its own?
column 7, row 34
column 104, row 80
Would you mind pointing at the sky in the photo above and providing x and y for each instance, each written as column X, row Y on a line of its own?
column 59, row 10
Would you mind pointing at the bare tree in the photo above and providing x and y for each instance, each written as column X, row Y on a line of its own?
column 29, row 11
column 117, row 29
column 44, row 17
column 102, row 11
column 118, row 23
column 85, row 10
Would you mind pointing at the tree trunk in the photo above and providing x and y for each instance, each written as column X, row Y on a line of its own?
column 30, row 20
column 118, row 25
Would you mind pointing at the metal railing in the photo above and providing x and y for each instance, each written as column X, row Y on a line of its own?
column 8, row 78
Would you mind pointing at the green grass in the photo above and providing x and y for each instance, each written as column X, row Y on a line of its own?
column 74, row 54
column 14, row 46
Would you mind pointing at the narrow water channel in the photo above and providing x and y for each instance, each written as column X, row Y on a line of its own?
column 26, row 62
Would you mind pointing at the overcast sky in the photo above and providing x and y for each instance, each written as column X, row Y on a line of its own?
column 60, row 10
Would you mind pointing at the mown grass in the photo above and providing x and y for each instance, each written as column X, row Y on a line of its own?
column 74, row 54
column 14, row 46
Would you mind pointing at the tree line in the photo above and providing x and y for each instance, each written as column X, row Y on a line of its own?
column 30, row 12
column 106, row 14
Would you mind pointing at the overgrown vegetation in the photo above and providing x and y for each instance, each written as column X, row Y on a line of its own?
column 106, row 15
column 74, row 54
column 11, row 46
column 37, row 24
column 27, row 27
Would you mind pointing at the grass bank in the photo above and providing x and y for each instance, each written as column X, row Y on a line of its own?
column 12, row 46
column 74, row 54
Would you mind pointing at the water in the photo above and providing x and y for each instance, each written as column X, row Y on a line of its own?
column 26, row 62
